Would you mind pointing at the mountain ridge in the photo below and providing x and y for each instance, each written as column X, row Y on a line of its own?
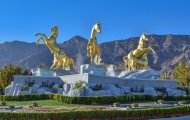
column 171, row 50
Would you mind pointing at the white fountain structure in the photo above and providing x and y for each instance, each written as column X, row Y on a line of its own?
column 95, row 80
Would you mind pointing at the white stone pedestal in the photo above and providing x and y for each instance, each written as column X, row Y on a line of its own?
column 50, row 73
column 95, row 81
column 92, row 69
column 43, row 72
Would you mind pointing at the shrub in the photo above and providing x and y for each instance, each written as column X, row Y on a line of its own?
column 25, row 88
column 29, row 83
column 3, row 103
column 82, row 88
column 135, row 105
column 35, row 104
column 79, row 85
column 97, row 87
column 162, row 90
column 160, row 101
column 47, row 84
column 117, row 104
column 11, row 106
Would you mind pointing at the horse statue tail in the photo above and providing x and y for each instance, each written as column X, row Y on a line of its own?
column 41, row 35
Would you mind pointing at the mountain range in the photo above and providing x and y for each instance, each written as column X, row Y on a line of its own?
column 171, row 50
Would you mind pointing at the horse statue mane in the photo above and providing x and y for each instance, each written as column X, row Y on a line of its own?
column 142, row 41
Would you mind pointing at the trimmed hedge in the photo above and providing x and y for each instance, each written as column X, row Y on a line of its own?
column 112, row 99
column 101, row 114
column 27, row 97
column 90, row 99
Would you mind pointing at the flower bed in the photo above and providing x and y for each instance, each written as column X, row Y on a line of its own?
column 101, row 114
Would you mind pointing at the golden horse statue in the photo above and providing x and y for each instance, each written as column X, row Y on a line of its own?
column 137, row 59
column 67, row 62
column 50, row 42
column 93, row 49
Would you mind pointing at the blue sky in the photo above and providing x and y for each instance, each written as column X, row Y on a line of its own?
column 120, row 19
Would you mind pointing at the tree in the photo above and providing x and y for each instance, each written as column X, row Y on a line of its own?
column 7, row 75
column 182, row 74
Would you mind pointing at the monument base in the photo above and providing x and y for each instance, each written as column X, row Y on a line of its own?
column 50, row 73
column 95, row 81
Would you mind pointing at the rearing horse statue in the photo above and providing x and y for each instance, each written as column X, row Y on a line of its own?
column 93, row 49
column 137, row 59
column 50, row 41
column 61, row 60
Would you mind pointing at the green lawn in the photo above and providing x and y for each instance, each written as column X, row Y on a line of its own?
column 40, row 103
